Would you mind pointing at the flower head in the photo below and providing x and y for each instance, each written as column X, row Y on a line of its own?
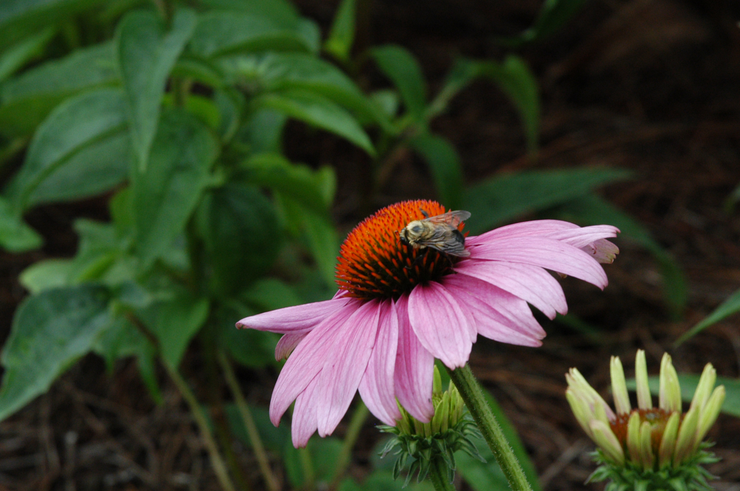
column 400, row 305
column 451, row 429
column 651, row 448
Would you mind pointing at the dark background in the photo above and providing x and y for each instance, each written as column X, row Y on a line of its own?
column 648, row 85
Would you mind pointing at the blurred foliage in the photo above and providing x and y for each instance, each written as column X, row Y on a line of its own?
column 176, row 112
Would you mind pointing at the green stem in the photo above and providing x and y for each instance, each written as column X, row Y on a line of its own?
column 309, row 476
column 472, row 394
column 200, row 419
column 440, row 476
column 350, row 438
column 246, row 415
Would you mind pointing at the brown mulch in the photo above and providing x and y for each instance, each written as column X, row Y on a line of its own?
column 648, row 85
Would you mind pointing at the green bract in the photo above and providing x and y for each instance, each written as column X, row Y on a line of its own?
column 451, row 429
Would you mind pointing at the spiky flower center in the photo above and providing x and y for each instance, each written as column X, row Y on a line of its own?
column 657, row 417
column 374, row 263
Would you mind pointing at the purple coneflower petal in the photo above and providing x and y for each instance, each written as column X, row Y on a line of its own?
column 545, row 253
column 530, row 283
column 297, row 318
column 345, row 365
column 442, row 325
column 302, row 366
column 414, row 373
column 305, row 421
column 498, row 314
column 288, row 342
column 536, row 228
column 602, row 250
column 377, row 387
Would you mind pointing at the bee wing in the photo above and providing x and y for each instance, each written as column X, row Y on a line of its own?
column 442, row 242
column 451, row 217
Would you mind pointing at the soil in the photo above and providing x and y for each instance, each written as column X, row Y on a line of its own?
column 647, row 85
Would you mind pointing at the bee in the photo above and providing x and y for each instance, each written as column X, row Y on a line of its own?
column 438, row 232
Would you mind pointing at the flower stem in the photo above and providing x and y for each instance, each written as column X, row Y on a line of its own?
column 472, row 394
column 350, row 438
column 254, row 438
column 439, row 475
column 200, row 419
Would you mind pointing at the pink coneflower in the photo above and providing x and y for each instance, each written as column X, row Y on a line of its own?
column 399, row 307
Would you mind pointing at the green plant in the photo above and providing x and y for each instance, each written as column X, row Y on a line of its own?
column 177, row 115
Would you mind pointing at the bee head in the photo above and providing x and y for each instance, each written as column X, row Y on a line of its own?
column 404, row 238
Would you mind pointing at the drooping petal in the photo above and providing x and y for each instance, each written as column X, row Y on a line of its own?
column 414, row 373
column 545, row 253
column 530, row 283
column 602, row 250
column 287, row 343
column 308, row 358
column 346, row 364
column 296, row 318
column 583, row 236
column 377, row 387
column 442, row 325
column 498, row 314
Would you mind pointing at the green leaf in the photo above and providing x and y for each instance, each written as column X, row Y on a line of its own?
column 77, row 133
column 98, row 250
column 481, row 476
column 319, row 111
column 240, row 232
column 45, row 275
column 231, row 105
column 248, row 347
column 19, row 17
column 274, row 438
column 145, row 55
column 383, row 481
column 444, row 164
column 689, row 383
column 552, row 17
column 400, row 66
column 472, row 469
column 730, row 306
column 281, row 12
column 94, row 169
column 165, row 194
column 324, row 455
column 319, row 232
column 122, row 340
column 174, row 322
column 591, row 209
column 50, row 332
column 270, row 294
column 506, row 196
column 299, row 182
column 201, row 71
column 733, row 198
column 15, row 235
column 221, row 33
column 28, row 98
column 262, row 132
column 21, row 53
column 515, row 79
column 342, row 33
column 512, row 76
column 282, row 71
